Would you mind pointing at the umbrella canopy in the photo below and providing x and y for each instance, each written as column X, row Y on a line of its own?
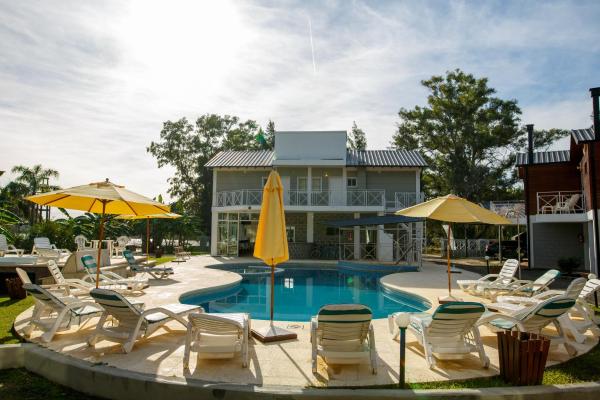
column 169, row 215
column 271, row 244
column 100, row 198
column 452, row 208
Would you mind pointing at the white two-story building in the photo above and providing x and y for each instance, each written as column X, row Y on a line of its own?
column 323, row 182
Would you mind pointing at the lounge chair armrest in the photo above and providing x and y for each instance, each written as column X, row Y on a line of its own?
column 422, row 319
column 177, row 317
column 491, row 316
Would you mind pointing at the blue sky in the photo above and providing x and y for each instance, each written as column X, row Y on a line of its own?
column 86, row 85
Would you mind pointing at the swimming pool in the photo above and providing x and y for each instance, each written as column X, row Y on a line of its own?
column 300, row 291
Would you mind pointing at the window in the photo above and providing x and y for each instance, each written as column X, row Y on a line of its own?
column 352, row 182
column 291, row 233
column 301, row 184
column 331, row 231
column 263, row 180
column 317, row 184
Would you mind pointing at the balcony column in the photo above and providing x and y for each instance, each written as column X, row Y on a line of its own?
column 419, row 225
column 344, row 187
column 214, row 224
column 356, row 238
column 310, row 227
column 309, row 186
column 214, row 188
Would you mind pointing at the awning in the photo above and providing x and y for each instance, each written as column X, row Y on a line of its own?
column 371, row 221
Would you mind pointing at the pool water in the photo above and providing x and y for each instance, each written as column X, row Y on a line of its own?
column 301, row 291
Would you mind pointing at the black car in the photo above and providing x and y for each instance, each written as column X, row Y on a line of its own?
column 509, row 247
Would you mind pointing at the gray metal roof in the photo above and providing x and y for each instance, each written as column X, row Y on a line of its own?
column 545, row 157
column 384, row 158
column 248, row 158
column 582, row 135
column 364, row 158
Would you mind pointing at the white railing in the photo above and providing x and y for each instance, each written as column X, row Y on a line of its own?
column 407, row 199
column 563, row 202
column 323, row 198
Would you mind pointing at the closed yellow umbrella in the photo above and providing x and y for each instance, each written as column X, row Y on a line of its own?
column 271, row 246
column 450, row 209
column 100, row 198
column 148, row 218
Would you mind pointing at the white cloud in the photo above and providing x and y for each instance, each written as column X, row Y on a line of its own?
column 86, row 85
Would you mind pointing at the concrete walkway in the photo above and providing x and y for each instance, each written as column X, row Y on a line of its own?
column 284, row 363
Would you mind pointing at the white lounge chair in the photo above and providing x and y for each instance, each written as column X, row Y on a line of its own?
column 132, row 322
column 82, row 243
column 53, row 313
column 120, row 245
column 504, row 277
column 9, row 248
column 44, row 243
column 135, row 284
column 582, row 317
column 155, row 272
column 449, row 333
column 78, row 287
column 534, row 319
column 567, row 206
column 523, row 287
column 216, row 336
column 343, row 334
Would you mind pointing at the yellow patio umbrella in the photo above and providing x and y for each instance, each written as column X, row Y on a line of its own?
column 450, row 209
column 100, row 198
column 148, row 218
column 271, row 245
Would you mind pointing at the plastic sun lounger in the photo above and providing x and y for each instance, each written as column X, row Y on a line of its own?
column 523, row 287
column 155, row 272
column 110, row 278
column 504, row 277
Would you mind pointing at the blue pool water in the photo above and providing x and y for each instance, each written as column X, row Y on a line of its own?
column 301, row 291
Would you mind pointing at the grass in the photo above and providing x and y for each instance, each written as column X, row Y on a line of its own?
column 9, row 309
column 20, row 384
column 163, row 259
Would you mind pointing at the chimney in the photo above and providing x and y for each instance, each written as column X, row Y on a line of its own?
column 529, row 144
column 596, row 113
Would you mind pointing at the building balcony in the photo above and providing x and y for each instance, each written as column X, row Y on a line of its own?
column 372, row 199
column 562, row 202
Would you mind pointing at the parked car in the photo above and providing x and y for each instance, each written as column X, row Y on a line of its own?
column 509, row 247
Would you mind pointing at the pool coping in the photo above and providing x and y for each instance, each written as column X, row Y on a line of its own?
column 115, row 383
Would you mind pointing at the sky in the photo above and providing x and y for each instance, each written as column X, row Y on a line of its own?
column 86, row 85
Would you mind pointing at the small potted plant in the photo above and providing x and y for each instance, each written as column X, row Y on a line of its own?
column 568, row 264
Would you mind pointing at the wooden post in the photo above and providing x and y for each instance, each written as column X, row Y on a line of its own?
column 98, row 261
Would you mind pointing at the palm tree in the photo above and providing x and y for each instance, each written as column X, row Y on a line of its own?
column 36, row 180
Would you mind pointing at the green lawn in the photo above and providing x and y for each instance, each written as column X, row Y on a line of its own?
column 164, row 259
column 9, row 309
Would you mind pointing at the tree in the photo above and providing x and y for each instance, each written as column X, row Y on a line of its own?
column 357, row 140
column 188, row 147
column 467, row 135
column 35, row 179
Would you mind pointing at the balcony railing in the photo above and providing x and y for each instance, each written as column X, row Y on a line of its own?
column 298, row 198
column 563, row 202
column 407, row 199
column 509, row 208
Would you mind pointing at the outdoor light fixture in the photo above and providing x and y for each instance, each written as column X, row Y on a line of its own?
column 402, row 319
column 487, row 264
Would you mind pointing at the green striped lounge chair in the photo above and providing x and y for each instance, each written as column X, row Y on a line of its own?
column 534, row 319
column 504, row 277
column 343, row 334
column 132, row 321
column 78, row 287
column 450, row 333
column 135, row 284
column 582, row 317
column 155, row 272
column 523, row 288
column 52, row 313
column 9, row 248
column 217, row 336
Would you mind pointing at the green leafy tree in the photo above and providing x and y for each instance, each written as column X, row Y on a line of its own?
column 270, row 135
column 187, row 147
column 7, row 220
column 357, row 139
column 467, row 135
column 35, row 179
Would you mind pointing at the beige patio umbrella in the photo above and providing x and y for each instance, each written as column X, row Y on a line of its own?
column 100, row 198
column 450, row 209
column 148, row 218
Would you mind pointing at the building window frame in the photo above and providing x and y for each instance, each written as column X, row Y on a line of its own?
column 351, row 182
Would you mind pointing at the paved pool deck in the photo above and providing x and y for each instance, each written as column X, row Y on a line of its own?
column 285, row 363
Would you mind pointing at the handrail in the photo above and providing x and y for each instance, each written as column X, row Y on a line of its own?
column 561, row 202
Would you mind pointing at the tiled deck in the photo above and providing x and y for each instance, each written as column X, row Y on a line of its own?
column 284, row 363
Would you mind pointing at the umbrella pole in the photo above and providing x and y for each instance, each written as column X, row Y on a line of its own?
column 448, row 257
column 148, row 241
column 272, row 287
column 100, row 245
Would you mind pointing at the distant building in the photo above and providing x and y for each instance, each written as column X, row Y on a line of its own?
column 323, row 181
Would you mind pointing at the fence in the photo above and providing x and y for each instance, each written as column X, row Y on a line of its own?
column 473, row 248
